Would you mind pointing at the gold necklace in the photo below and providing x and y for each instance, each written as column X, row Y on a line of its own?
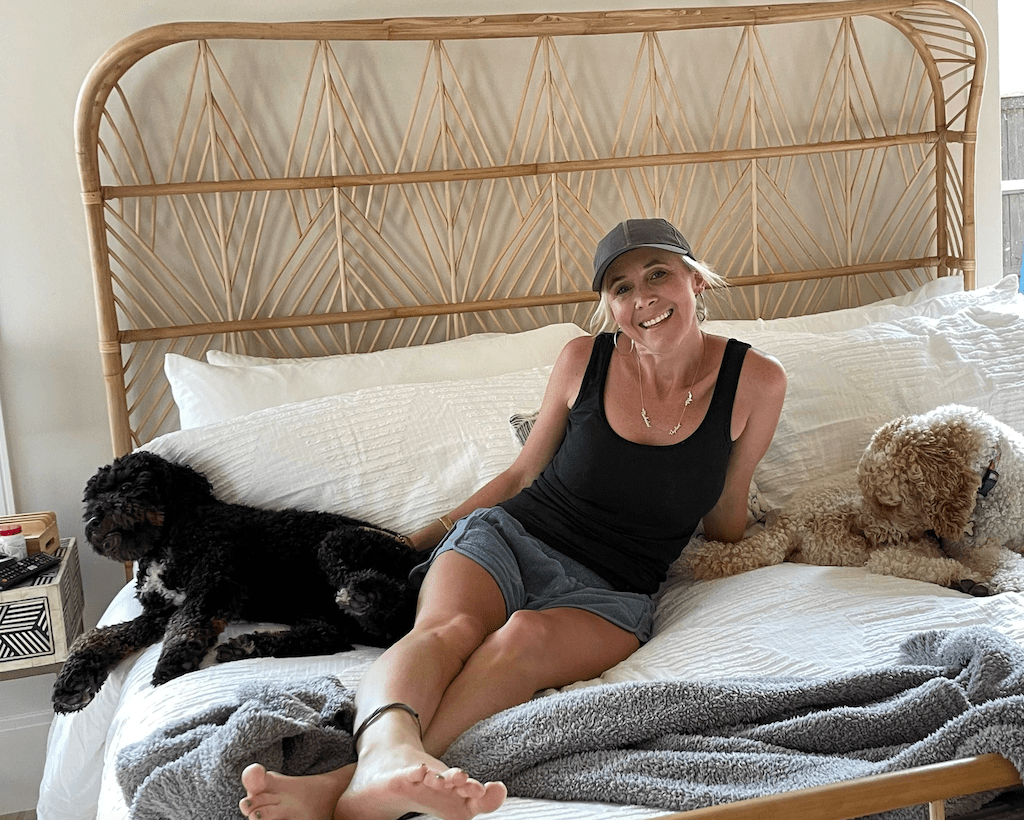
column 689, row 392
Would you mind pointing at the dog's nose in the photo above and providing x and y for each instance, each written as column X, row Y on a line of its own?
column 97, row 528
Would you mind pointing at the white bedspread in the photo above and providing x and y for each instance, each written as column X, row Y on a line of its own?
column 784, row 620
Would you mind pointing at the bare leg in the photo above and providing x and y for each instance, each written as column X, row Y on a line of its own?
column 460, row 604
column 455, row 668
column 532, row 652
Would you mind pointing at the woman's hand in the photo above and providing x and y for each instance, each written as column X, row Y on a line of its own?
column 428, row 537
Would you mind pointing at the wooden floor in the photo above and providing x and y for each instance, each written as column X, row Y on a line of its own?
column 21, row 815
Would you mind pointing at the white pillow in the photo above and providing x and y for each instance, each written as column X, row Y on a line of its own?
column 934, row 298
column 206, row 393
column 399, row 455
column 844, row 385
column 222, row 358
column 395, row 455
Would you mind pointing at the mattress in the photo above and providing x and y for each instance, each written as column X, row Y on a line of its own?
column 785, row 620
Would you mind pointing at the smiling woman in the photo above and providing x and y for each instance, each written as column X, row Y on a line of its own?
column 654, row 235
column 662, row 367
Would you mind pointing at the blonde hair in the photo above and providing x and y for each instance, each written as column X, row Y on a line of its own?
column 602, row 320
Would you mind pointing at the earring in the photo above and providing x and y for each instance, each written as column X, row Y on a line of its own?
column 615, row 341
column 702, row 308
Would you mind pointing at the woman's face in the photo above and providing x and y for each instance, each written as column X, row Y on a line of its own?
column 652, row 294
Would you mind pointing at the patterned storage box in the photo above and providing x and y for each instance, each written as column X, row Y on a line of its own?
column 41, row 618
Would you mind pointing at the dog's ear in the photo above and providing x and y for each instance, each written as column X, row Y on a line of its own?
column 880, row 473
column 95, row 481
column 931, row 477
column 954, row 478
column 189, row 487
column 177, row 484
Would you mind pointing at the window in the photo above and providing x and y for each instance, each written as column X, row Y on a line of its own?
column 1011, row 93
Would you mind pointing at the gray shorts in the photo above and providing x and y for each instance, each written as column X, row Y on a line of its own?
column 532, row 575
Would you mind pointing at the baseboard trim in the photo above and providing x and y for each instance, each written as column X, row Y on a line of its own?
column 26, row 720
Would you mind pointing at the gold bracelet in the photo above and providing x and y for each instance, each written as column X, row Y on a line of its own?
column 447, row 523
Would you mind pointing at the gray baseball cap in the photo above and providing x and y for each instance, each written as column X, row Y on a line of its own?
column 636, row 233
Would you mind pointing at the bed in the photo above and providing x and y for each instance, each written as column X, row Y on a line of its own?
column 334, row 263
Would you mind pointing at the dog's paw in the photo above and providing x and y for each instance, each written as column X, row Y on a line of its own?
column 972, row 588
column 363, row 592
column 384, row 608
column 174, row 666
column 237, row 649
column 75, row 688
column 355, row 601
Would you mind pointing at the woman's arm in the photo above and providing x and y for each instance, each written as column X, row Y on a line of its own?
column 758, row 405
column 544, row 439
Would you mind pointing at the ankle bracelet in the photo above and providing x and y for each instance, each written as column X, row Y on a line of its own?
column 376, row 715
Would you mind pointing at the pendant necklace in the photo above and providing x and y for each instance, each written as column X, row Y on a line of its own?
column 689, row 392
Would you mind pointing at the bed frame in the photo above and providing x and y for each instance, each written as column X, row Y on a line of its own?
column 310, row 188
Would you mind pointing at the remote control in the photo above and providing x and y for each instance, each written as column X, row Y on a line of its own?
column 12, row 574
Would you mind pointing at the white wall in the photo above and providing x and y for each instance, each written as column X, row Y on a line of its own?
column 1011, row 55
column 50, row 380
column 988, row 188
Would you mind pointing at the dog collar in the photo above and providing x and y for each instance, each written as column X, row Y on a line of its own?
column 990, row 476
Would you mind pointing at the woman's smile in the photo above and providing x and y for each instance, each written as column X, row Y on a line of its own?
column 657, row 320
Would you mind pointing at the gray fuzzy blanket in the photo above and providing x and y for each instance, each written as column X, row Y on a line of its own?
column 675, row 745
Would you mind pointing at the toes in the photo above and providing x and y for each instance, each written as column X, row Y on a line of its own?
column 258, row 807
column 261, row 813
column 492, row 799
column 436, row 781
column 254, row 778
column 463, row 784
column 422, row 774
column 455, row 780
column 471, row 789
column 439, row 781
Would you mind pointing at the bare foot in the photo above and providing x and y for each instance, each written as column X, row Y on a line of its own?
column 273, row 796
column 402, row 780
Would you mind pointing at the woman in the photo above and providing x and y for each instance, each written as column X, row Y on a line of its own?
column 547, row 578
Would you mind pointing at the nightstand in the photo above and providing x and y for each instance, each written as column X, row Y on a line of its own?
column 41, row 618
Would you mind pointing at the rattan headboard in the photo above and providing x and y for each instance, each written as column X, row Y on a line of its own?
column 313, row 188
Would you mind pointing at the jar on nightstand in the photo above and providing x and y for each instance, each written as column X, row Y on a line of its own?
column 12, row 541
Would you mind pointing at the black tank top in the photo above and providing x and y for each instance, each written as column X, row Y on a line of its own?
column 626, row 510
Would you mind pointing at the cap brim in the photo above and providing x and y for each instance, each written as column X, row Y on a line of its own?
column 599, row 275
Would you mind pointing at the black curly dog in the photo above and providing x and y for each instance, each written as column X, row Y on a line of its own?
column 334, row 580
